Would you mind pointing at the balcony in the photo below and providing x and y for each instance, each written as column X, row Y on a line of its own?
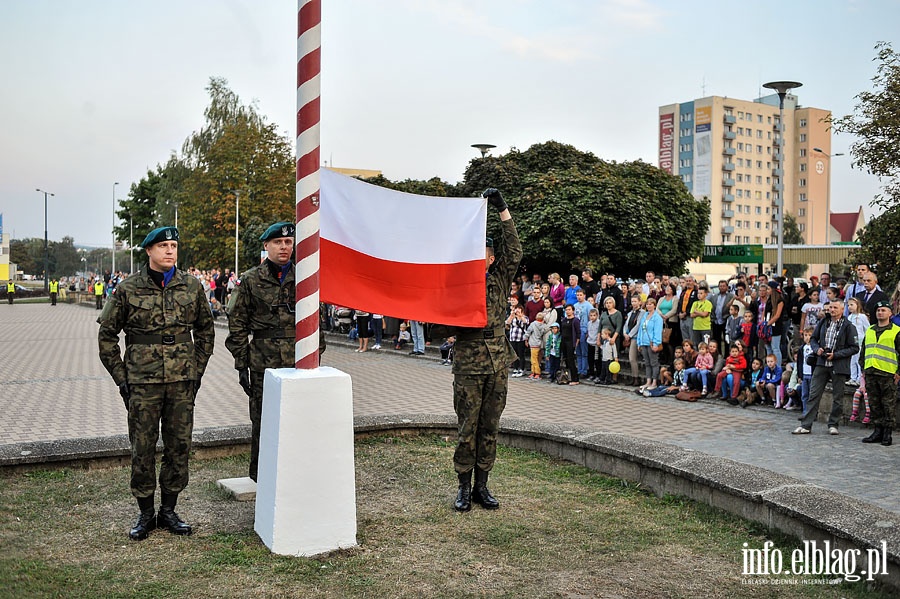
column 779, row 157
column 730, row 119
column 728, row 229
column 730, row 135
column 778, row 141
column 727, row 197
column 779, row 187
column 729, row 151
column 728, row 166
column 728, row 182
column 778, row 172
column 726, row 213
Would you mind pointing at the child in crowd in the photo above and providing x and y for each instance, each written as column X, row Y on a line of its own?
column 811, row 312
column 728, row 381
column 517, row 323
column 769, row 380
column 700, row 311
column 792, row 390
column 747, row 333
column 403, row 337
column 552, row 350
column 608, row 355
column 447, row 350
column 703, row 363
column 860, row 395
column 858, row 317
column 831, row 294
column 750, row 394
column 733, row 330
column 534, row 337
column 805, row 368
column 593, row 344
column 674, row 386
column 688, row 353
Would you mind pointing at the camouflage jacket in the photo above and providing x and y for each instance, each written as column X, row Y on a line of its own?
column 141, row 308
column 260, row 304
column 474, row 352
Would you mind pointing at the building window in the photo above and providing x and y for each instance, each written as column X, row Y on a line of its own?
column 802, row 197
column 759, row 134
column 759, row 118
column 802, row 137
column 740, row 114
column 767, row 209
column 802, row 183
column 759, row 149
column 802, row 167
column 802, row 227
column 767, row 226
column 740, row 192
column 758, row 195
column 740, row 178
column 759, row 210
column 801, row 212
column 802, row 152
column 768, row 180
column 758, row 225
column 740, row 130
column 803, row 122
column 759, row 179
column 768, row 195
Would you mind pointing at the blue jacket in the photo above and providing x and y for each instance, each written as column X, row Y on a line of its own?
column 649, row 330
column 771, row 376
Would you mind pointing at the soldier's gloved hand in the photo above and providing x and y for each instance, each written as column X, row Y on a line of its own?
column 125, row 392
column 493, row 196
column 244, row 379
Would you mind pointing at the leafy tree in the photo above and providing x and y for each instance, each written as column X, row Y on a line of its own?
column 793, row 236
column 28, row 255
column 64, row 258
column 876, row 126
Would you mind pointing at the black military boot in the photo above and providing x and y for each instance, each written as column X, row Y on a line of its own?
column 463, row 501
column 481, row 494
column 886, row 439
column 876, row 436
column 146, row 520
column 167, row 517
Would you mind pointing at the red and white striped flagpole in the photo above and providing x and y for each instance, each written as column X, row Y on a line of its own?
column 309, row 65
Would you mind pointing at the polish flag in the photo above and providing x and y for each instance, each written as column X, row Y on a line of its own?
column 400, row 254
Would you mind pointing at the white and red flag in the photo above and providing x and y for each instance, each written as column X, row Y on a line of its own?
column 400, row 254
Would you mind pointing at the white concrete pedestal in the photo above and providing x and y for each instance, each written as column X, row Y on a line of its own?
column 306, row 491
column 242, row 489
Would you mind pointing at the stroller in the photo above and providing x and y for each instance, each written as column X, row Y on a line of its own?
column 343, row 319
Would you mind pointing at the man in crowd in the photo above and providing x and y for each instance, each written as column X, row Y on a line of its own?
column 685, row 301
column 833, row 342
column 98, row 293
column 534, row 304
column 53, row 287
column 158, row 308
column 871, row 295
column 480, row 370
column 881, row 351
column 590, row 286
column 721, row 301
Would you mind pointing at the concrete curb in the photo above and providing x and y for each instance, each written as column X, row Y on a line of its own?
column 775, row 500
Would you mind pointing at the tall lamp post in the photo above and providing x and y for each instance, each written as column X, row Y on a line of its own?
column 483, row 148
column 46, row 246
column 237, row 224
column 781, row 88
column 131, row 241
column 112, row 272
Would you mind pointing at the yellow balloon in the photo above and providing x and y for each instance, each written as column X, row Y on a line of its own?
column 614, row 367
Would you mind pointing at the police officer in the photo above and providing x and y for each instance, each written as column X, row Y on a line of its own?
column 480, row 369
column 159, row 308
column 54, row 291
column 98, row 292
column 10, row 291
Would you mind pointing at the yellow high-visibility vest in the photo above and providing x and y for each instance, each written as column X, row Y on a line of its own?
column 881, row 353
column 54, row 286
column 98, row 288
column 10, row 287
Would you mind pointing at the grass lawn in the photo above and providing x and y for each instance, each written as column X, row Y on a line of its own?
column 562, row 531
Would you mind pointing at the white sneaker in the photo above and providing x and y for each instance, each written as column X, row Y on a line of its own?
column 800, row 431
column 832, row 430
column 376, row 346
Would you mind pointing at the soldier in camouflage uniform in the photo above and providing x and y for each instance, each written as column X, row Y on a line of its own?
column 480, row 368
column 158, row 308
column 262, row 305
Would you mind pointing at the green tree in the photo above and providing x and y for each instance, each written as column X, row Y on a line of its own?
column 64, row 258
column 792, row 236
column 28, row 255
column 876, row 126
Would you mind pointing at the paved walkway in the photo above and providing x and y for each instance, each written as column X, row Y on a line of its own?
column 54, row 387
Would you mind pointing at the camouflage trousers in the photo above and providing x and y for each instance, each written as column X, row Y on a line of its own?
column 256, row 402
column 168, row 407
column 882, row 399
column 479, row 400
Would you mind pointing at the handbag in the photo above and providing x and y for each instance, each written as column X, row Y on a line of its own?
column 666, row 334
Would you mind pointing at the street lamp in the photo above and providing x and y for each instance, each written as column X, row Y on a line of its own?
column 131, row 241
column 484, row 148
column 237, row 224
column 46, row 250
column 113, row 271
column 781, row 88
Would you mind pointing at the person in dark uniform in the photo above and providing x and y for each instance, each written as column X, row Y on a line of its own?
column 10, row 291
column 54, row 291
column 262, row 306
column 168, row 341
column 480, row 369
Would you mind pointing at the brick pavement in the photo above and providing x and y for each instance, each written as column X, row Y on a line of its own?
column 56, row 388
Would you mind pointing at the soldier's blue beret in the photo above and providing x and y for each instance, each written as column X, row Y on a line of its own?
column 283, row 229
column 160, row 234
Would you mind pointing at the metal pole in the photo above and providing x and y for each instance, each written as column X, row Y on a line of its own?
column 237, row 221
column 46, row 244
column 112, row 272
column 780, row 219
column 131, row 241
column 309, row 67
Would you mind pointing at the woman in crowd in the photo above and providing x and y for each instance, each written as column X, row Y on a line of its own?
column 612, row 319
column 631, row 330
column 557, row 294
column 668, row 308
column 649, row 341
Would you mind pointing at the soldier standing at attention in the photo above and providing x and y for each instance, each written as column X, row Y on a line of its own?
column 10, row 291
column 158, row 308
column 54, row 291
column 480, row 369
column 262, row 304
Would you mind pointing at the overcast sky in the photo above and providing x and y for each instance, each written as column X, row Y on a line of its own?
column 99, row 91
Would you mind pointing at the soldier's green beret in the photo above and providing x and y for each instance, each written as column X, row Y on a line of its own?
column 488, row 242
column 160, row 234
column 282, row 229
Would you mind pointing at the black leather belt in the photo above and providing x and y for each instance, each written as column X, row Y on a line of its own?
column 285, row 333
column 487, row 333
column 158, row 339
